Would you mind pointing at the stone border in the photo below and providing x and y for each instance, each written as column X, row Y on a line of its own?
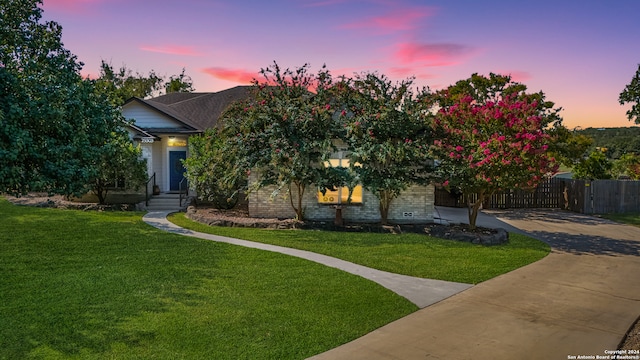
column 482, row 236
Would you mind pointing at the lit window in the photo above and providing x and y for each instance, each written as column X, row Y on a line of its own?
column 340, row 195
column 176, row 142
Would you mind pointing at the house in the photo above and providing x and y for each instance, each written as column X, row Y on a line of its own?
column 162, row 127
column 416, row 205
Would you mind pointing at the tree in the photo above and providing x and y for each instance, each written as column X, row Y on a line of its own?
column 211, row 170
column 618, row 141
column 119, row 161
column 627, row 165
column 492, row 135
column 595, row 166
column 387, row 141
column 55, row 126
column 179, row 83
column 122, row 85
column 568, row 147
column 631, row 95
column 283, row 132
column 52, row 124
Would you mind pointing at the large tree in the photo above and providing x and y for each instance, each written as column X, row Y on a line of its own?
column 179, row 83
column 631, row 95
column 45, row 136
column 122, row 84
column 492, row 135
column 54, row 124
column 387, row 140
column 284, row 131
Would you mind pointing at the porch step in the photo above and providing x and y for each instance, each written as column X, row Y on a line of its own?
column 165, row 201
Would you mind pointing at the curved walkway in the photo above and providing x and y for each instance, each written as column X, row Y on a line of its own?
column 421, row 292
column 579, row 300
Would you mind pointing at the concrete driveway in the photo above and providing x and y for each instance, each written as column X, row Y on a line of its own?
column 579, row 300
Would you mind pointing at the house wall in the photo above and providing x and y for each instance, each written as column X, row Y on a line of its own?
column 158, row 151
column 417, row 201
column 158, row 164
column 147, row 118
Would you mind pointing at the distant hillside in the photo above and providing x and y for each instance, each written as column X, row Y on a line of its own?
column 617, row 141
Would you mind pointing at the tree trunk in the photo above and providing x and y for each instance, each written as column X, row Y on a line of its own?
column 385, row 201
column 300, row 193
column 100, row 190
column 473, row 209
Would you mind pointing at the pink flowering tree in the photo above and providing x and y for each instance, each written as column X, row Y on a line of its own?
column 492, row 136
column 283, row 131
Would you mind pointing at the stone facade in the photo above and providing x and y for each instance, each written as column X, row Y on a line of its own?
column 415, row 206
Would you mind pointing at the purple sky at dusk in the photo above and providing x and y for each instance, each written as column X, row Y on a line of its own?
column 580, row 53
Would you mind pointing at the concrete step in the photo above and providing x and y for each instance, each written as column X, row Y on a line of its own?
column 165, row 202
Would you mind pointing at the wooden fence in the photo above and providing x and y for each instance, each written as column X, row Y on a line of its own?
column 612, row 196
column 583, row 196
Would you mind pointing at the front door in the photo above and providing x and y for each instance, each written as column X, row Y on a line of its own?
column 176, row 169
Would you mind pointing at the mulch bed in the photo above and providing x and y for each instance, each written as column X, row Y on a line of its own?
column 240, row 218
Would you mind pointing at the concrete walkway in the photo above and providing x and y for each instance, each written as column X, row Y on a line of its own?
column 421, row 292
column 579, row 300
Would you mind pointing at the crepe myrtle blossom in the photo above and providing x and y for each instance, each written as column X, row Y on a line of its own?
column 486, row 145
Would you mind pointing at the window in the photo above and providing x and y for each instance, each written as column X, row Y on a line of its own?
column 340, row 195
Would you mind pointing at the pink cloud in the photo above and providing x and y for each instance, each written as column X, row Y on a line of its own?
column 172, row 50
column 399, row 20
column 435, row 54
column 236, row 75
column 517, row 76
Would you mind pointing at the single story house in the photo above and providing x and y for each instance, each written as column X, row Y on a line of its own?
column 162, row 127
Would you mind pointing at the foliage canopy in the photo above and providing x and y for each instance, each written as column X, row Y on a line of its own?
column 492, row 135
column 54, row 125
column 631, row 95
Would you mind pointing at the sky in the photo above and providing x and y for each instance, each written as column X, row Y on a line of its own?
column 580, row 53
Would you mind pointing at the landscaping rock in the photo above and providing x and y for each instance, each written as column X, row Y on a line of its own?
column 240, row 218
column 482, row 236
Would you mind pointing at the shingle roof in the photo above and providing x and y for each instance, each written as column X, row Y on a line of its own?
column 199, row 111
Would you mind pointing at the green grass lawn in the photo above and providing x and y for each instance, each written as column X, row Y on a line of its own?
column 630, row 218
column 90, row 285
column 409, row 254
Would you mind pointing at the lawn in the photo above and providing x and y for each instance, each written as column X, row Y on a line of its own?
column 91, row 285
column 629, row 218
column 409, row 254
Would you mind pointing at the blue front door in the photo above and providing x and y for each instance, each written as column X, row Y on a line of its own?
column 176, row 169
